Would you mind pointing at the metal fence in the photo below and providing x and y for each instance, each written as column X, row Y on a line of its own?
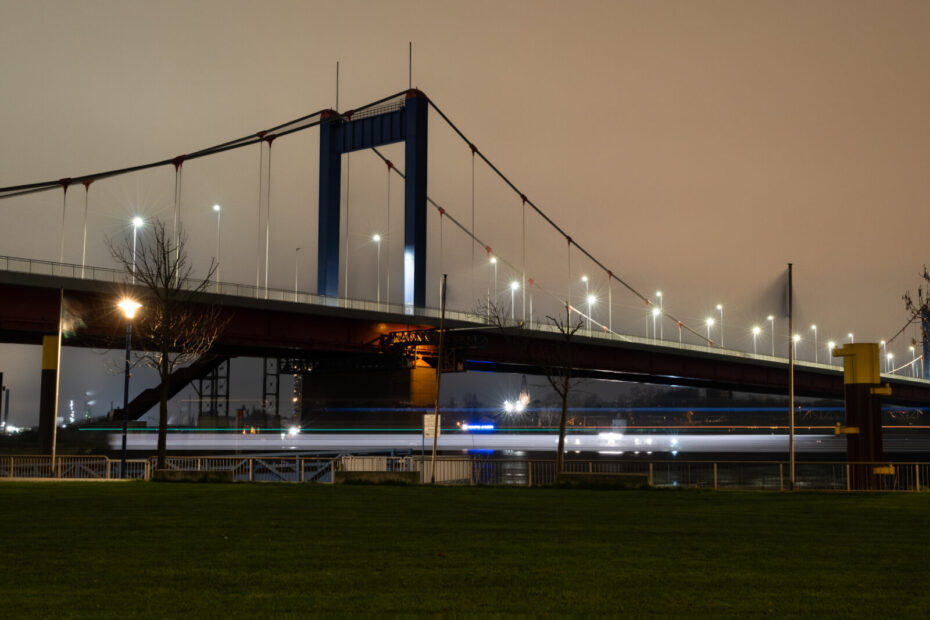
column 759, row 475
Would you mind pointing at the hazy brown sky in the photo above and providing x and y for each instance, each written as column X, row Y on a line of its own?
column 696, row 147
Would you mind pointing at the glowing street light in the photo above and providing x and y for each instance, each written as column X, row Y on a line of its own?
column 720, row 308
column 913, row 361
column 814, row 328
column 129, row 307
column 796, row 339
column 710, row 323
column 661, row 312
column 656, row 312
column 377, row 239
column 590, row 299
column 883, row 347
column 219, row 212
column 513, row 289
column 771, row 320
column 851, row 340
column 830, row 346
column 890, row 358
column 137, row 223
column 755, row 332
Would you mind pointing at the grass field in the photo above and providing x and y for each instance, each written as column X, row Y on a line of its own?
column 157, row 550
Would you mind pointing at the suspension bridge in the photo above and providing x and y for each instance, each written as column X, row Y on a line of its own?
column 511, row 280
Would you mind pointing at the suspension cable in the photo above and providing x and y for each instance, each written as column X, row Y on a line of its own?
column 510, row 184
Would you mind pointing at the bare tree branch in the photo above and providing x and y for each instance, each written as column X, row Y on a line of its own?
column 169, row 330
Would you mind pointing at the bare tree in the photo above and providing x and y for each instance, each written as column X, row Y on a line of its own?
column 919, row 308
column 170, row 331
column 559, row 373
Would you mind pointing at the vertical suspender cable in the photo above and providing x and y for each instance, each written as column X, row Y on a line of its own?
column 568, row 300
column 388, row 233
column 178, row 170
column 84, row 241
column 473, row 231
column 270, row 139
column 64, row 200
column 523, row 283
column 442, row 212
column 258, row 227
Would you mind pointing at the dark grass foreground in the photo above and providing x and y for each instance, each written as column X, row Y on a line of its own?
column 184, row 550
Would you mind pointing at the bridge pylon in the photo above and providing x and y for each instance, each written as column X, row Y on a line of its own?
column 343, row 133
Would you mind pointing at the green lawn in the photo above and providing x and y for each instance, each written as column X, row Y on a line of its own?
column 156, row 550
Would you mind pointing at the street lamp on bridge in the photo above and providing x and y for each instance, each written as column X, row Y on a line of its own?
column 796, row 339
column 830, row 346
column 137, row 223
column 377, row 239
column 513, row 289
column 219, row 211
column 720, row 308
column 710, row 323
column 755, row 332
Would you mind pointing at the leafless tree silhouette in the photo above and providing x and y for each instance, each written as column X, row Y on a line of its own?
column 169, row 330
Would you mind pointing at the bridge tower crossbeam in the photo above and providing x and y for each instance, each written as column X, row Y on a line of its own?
column 339, row 134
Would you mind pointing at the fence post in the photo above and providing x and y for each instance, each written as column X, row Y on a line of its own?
column 715, row 476
column 529, row 468
column 300, row 463
column 590, row 467
column 650, row 474
column 781, row 476
column 198, row 464
column 250, row 469
column 916, row 476
column 848, row 485
column 108, row 468
column 332, row 471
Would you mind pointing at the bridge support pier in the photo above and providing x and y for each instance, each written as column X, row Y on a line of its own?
column 48, row 394
column 863, row 429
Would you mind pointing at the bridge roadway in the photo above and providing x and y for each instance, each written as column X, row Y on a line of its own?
column 285, row 324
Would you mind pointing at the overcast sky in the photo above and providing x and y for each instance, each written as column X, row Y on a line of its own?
column 695, row 147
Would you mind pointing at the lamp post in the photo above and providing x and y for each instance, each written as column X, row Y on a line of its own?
column 913, row 361
column 796, row 339
column 882, row 343
column 219, row 211
column 129, row 307
column 720, row 308
column 851, row 340
column 771, row 320
column 655, row 314
column 296, row 270
column 830, row 346
column 494, row 264
column 590, row 299
column 710, row 322
column 814, row 328
column 137, row 223
column 513, row 289
column 661, row 312
column 890, row 358
column 377, row 239
column 755, row 333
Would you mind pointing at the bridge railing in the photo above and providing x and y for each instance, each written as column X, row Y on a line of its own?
column 107, row 274
column 759, row 475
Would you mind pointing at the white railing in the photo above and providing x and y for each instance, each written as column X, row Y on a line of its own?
column 771, row 475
